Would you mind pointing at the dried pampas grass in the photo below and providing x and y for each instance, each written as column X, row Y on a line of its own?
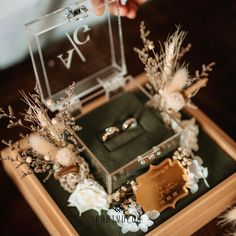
column 229, row 219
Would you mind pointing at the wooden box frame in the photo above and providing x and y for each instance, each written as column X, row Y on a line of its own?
column 185, row 222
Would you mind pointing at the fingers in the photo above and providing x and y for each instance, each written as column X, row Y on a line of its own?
column 129, row 9
column 98, row 7
column 132, row 9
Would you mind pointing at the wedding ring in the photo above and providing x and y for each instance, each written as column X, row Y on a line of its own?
column 110, row 132
column 129, row 124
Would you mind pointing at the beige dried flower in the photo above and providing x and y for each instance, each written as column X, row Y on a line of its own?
column 171, row 86
column 66, row 157
column 53, row 140
column 42, row 146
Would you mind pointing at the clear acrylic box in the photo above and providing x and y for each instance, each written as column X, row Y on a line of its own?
column 83, row 43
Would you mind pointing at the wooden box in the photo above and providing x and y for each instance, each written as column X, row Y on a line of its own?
column 184, row 220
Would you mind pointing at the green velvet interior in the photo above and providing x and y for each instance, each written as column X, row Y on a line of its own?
column 220, row 166
column 219, row 163
column 127, row 145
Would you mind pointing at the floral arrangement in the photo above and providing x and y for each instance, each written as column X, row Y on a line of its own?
column 53, row 148
column 171, row 88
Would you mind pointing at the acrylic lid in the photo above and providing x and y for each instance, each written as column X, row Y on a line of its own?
column 81, row 43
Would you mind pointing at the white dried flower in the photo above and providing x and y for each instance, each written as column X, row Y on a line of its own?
column 172, row 50
column 171, row 101
column 153, row 215
column 42, row 146
column 145, row 222
column 127, row 224
column 196, row 172
column 229, row 217
column 69, row 181
column 189, row 139
column 66, row 157
column 89, row 195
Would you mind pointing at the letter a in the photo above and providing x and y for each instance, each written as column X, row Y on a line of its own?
column 67, row 61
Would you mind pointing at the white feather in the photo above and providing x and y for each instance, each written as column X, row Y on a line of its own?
column 229, row 217
column 42, row 146
column 179, row 80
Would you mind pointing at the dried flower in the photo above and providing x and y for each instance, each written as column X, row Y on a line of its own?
column 168, row 78
column 89, row 195
column 42, row 146
column 229, row 218
column 51, row 138
column 66, row 157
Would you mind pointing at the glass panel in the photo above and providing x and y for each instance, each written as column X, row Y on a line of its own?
column 80, row 43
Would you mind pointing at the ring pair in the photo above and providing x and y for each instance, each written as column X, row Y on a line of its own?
column 113, row 130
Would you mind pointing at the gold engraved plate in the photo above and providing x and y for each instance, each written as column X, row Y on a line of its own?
column 162, row 186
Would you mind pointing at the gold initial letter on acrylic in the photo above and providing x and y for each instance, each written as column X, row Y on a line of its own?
column 66, row 60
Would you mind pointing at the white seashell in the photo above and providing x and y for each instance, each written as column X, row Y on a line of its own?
column 89, row 195
column 42, row 146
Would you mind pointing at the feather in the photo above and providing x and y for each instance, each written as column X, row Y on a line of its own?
column 229, row 217
column 179, row 80
column 42, row 146
column 172, row 50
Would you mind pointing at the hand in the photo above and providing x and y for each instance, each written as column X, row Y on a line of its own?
column 129, row 9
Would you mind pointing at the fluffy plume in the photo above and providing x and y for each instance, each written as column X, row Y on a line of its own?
column 229, row 218
column 172, row 50
column 42, row 146
column 179, row 80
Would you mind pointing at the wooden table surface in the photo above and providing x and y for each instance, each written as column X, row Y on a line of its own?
column 211, row 26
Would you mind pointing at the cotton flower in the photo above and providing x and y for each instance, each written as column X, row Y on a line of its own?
column 89, row 195
column 66, row 157
column 42, row 146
